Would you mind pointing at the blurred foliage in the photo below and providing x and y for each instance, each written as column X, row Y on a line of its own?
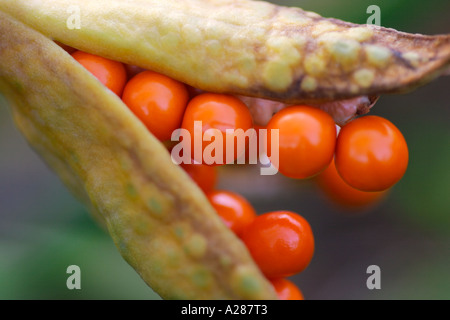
column 403, row 15
column 34, row 267
column 425, row 193
column 44, row 230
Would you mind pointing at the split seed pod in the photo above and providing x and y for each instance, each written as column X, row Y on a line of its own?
column 160, row 221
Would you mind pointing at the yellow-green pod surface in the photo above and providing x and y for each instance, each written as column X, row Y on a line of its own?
column 252, row 48
column 160, row 221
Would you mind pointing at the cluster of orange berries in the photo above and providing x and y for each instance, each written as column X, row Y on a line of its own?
column 281, row 242
column 358, row 165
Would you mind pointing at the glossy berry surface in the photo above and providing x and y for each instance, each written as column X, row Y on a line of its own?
column 341, row 193
column 371, row 154
column 158, row 101
column 280, row 242
column 307, row 138
column 287, row 290
column 222, row 113
column 111, row 73
column 235, row 210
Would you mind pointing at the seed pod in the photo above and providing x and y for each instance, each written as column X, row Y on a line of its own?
column 160, row 221
column 251, row 48
column 162, row 224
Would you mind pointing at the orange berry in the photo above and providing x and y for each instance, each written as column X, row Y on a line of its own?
column 307, row 137
column 158, row 101
column 280, row 242
column 111, row 73
column 203, row 175
column 371, row 154
column 343, row 194
column 220, row 112
column 287, row 290
column 235, row 210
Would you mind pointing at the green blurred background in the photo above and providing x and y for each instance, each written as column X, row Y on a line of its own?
column 43, row 229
